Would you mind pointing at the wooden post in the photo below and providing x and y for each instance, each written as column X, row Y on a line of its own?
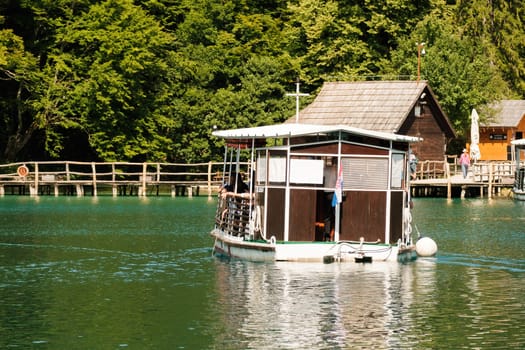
column 33, row 191
column 114, row 186
column 2, row 190
column 490, row 180
column 449, row 181
column 80, row 190
column 209, row 180
column 94, row 170
column 142, row 191
column 68, row 177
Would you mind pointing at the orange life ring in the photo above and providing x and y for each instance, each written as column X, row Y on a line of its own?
column 22, row 171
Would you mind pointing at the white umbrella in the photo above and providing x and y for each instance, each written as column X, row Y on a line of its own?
column 475, row 154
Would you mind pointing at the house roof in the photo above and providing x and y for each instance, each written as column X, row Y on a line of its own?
column 508, row 113
column 374, row 105
column 286, row 130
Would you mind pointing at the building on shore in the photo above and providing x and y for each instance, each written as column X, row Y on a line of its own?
column 497, row 132
column 402, row 107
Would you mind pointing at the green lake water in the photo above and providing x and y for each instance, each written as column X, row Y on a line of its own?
column 137, row 273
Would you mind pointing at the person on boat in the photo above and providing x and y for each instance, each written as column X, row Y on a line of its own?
column 412, row 159
column 330, row 176
column 237, row 188
column 464, row 161
column 235, row 185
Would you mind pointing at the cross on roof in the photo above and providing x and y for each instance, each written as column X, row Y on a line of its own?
column 297, row 94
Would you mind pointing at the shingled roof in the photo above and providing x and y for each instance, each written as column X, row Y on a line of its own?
column 508, row 113
column 374, row 105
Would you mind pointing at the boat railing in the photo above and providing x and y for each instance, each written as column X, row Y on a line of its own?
column 234, row 213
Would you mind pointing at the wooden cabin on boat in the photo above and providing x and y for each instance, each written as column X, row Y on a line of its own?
column 401, row 107
column 496, row 134
column 296, row 180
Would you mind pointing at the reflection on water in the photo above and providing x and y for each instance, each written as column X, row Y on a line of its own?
column 310, row 306
column 370, row 306
column 77, row 273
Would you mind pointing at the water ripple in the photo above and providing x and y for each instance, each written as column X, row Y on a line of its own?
column 494, row 263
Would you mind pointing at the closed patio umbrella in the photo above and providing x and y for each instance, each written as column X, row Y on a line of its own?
column 475, row 154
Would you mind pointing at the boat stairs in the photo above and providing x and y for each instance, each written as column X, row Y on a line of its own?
column 109, row 178
column 444, row 179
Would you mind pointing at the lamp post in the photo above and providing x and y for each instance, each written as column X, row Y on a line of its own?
column 420, row 52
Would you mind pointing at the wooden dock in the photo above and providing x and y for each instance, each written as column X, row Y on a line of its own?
column 444, row 179
column 434, row 179
column 109, row 178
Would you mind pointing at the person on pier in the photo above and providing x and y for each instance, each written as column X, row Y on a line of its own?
column 464, row 161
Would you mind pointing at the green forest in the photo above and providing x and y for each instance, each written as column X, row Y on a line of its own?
column 148, row 80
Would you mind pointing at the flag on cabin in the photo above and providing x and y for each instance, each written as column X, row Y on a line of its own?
column 338, row 192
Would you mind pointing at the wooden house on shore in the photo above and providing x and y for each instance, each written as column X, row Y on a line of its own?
column 507, row 124
column 402, row 107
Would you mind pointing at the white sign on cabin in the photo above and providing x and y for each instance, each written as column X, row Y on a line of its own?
column 306, row 171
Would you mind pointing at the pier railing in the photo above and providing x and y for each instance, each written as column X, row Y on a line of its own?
column 132, row 178
column 482, row 171
column 433, row 176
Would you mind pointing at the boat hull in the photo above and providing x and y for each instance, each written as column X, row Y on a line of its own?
column 519, row 195
column 344, row 251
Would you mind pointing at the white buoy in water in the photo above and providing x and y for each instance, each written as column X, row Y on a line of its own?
column 425, row 246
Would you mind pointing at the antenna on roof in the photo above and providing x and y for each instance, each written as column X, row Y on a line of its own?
column 297, row 95
column 420, row 53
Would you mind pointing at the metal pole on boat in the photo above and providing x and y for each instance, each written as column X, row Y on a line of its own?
column 251, row 182
column 388, row 195
column 224, row 164
column 230, row 163
column 237, row 167
column 337, row 209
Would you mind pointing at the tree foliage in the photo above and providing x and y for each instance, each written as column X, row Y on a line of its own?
column 150, row 79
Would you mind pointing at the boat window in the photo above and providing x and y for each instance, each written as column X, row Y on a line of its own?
column 398, row 161
column 261, row 169
column 277, row 170
column 272, row 169
column 365, row 173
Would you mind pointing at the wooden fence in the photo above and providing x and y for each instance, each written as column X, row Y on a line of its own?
column 117, row 178
column 480, row 171
column 485, row 176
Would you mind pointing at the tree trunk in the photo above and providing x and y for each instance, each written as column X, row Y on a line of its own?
column 19, row 140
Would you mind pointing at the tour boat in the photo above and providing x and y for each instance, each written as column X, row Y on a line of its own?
column 519, row 179
column 316, row 193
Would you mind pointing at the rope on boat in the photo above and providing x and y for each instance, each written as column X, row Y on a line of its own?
column 359, row 250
